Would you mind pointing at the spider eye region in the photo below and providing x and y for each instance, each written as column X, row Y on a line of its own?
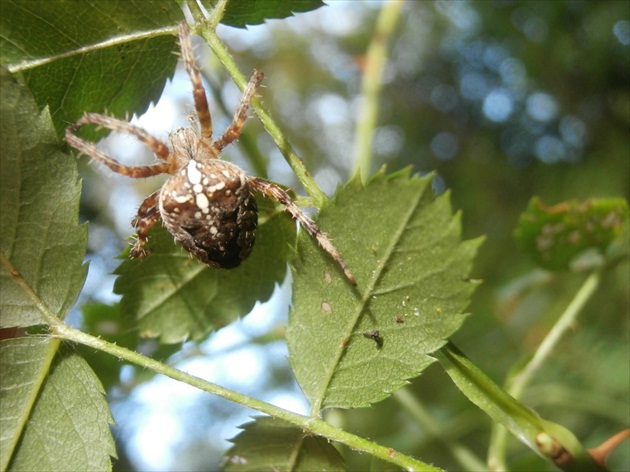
column 209, row 208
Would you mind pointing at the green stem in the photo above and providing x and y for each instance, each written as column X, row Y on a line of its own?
column 217, row 13
column 551, row 441
column 464, row 456
column 376, row 57
column 519, row 380
column 196, row 11
column 222, row 53
column 488, row 396
column 311, row 425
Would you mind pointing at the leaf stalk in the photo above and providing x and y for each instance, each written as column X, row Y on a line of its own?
column 466, row 458
column 309, row 425
column 520, row 420
column 521, row 378
column 371, row 85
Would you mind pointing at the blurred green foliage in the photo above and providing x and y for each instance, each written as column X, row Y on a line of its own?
column 563, row 236
column 506, row 101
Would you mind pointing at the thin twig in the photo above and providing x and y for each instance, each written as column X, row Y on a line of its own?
column 371, row 85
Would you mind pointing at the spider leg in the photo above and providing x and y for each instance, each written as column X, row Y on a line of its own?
column 158, row 147
column 199, row 93
column 234, row 130
column 148, row 214
column 275, row 192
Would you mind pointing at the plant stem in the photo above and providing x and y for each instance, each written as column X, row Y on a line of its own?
column 310, row 425
column 464, row 456
column 217, row 13
column 375, row 60
column 488, row 396
column 519, row 381
column 196, row 11
column 305, row 178
column 522, row 422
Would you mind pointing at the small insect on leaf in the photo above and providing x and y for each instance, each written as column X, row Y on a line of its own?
column 376, row 336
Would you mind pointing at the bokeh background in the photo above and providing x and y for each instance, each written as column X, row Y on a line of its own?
column 503, row 100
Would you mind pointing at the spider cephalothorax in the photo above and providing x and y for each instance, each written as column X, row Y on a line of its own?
column 207, row 204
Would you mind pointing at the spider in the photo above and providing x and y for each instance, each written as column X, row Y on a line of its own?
column 207, row 204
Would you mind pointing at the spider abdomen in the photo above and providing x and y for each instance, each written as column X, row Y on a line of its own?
column 210, row 209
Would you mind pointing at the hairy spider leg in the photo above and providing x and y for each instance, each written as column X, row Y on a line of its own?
column 148, row 214
column 137, row 172
column 234, row 130
column 275, row 192
column 199, row 93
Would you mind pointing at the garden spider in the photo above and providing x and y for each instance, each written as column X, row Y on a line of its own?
column 207, row 204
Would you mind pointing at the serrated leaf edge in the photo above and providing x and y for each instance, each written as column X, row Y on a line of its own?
column 369, row 290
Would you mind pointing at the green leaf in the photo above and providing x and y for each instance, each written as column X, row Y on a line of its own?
column 544, row 437
column 619, row 247
column 65, row 49
column 41, row 244
column 555, row 236
column 272, row 444
column 254, row 12
column 53, row 417
column 52, row 412
column 404, row 247
column 175, row 297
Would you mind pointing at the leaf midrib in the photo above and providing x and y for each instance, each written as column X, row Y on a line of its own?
column 44, row 368
column 176, row 293
column 330, row 371
column 80, row 51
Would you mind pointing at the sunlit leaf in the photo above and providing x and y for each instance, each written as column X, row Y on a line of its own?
column 53, row 415
column 555, row 236
column 349, row 346
column 272, row 444
column 125, row 43
column 41, row 243
column 176, row 297
column 254, row 12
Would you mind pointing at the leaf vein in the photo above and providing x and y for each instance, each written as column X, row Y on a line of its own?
column 353, row 322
